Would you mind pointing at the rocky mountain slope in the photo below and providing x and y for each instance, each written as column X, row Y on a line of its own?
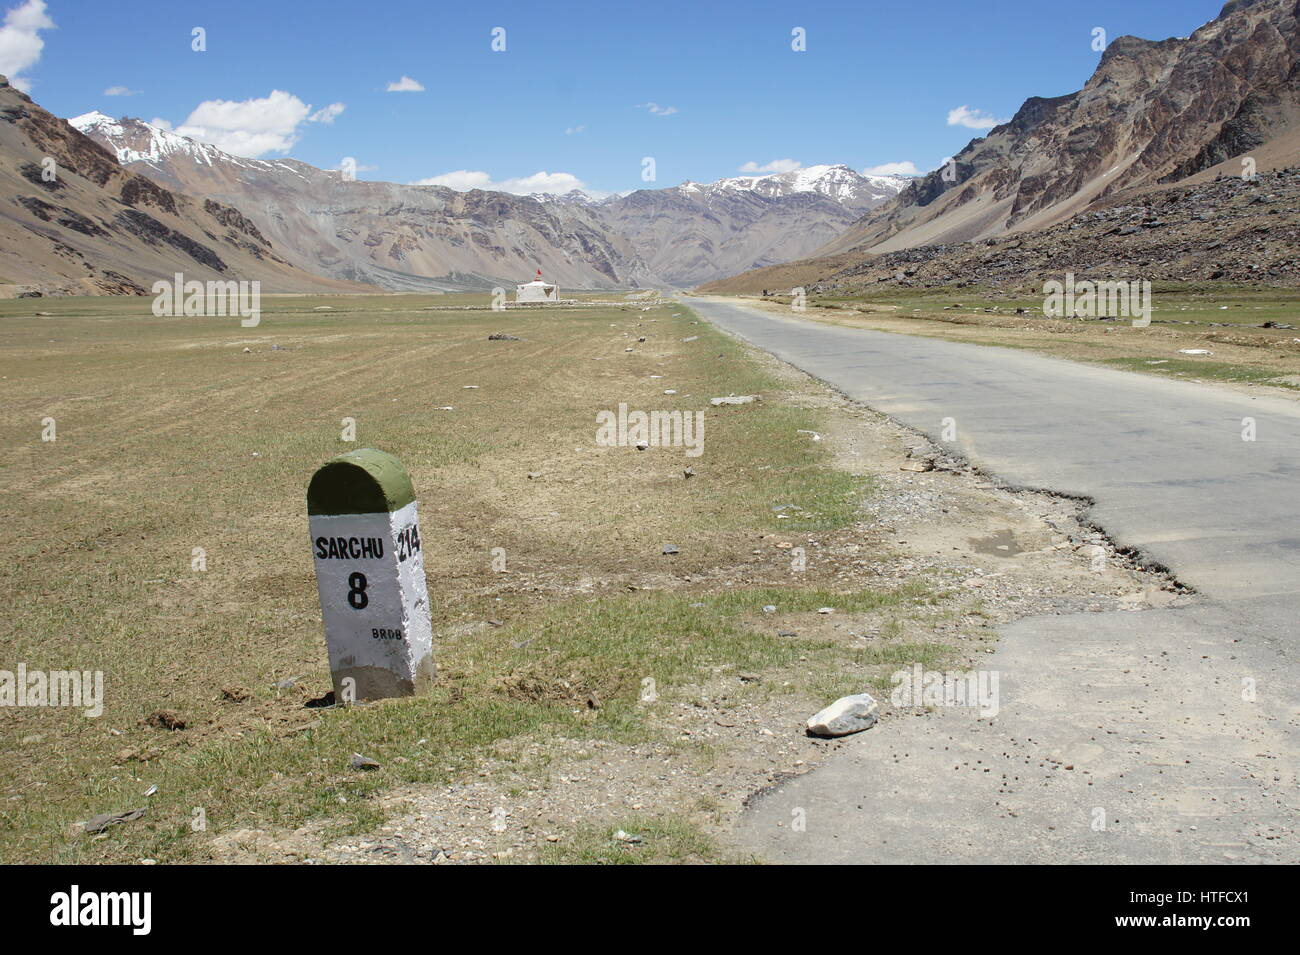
column 1153, row 112
column 74, row 221
column 411, row 237
column 397, row 237
column 1214, row 227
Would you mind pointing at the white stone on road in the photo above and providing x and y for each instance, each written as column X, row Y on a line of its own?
column 848, row 714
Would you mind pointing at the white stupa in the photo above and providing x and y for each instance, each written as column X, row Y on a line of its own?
column 537, row 291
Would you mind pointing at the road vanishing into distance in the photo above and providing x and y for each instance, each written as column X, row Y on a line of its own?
column 1181, row 725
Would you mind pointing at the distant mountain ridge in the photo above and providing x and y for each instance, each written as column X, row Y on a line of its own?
column 394, row 236
column 408, row 237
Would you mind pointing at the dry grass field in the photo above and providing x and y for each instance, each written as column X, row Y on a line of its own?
column 173, row 434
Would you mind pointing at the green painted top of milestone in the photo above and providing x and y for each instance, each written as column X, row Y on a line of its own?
column 365, row 481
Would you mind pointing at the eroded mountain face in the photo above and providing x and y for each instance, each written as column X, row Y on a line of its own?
column 1154, row 112
column 74, row 221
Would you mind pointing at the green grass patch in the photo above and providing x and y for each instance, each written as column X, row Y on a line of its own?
column 638, row 841
column 1205, row 370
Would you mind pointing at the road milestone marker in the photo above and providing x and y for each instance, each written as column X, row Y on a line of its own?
column 365, row 538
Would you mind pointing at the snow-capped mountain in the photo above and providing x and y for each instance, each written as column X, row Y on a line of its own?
column 98, row 228
column 838, row 182
column 136, row 141
column 694, row 231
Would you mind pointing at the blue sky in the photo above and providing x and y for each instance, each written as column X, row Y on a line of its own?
column 571, row 94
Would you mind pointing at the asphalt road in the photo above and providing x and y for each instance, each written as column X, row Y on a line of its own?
column 1181, row 726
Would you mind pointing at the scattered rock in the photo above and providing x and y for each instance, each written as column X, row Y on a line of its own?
column 733, row 400
column 502, row 337
column 362, row 762
column 848, row 714
column 103, row 821
column 670, row 549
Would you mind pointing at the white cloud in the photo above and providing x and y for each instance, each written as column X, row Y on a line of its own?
column 657, row 109
column 461, row 180
column 327, row 115
column 972, row 118
column 904, row 168
column 776, row 165
column 574, row 129
column 406, row 85
column 254, row 127
column 555, row 183
column 120, row 91
column 20, row 40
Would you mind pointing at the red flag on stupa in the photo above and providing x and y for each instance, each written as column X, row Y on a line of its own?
column 539, row 275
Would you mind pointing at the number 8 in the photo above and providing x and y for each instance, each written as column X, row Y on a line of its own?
column 357, row 597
